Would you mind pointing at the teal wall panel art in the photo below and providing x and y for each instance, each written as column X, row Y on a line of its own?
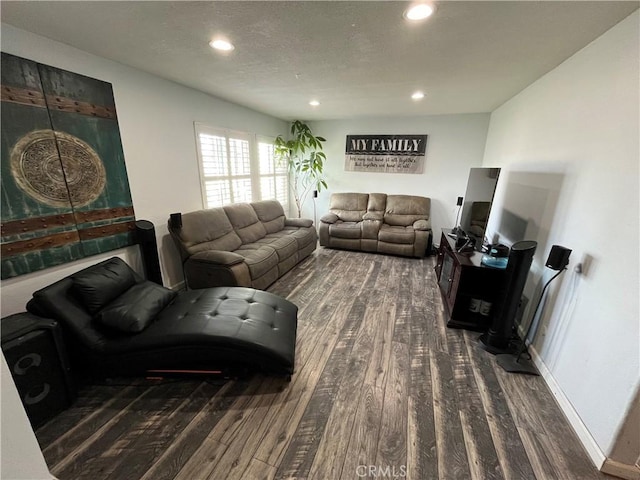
column 64, row 187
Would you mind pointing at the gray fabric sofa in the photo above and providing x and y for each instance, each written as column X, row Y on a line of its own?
column 243, row 244
column 376, row 222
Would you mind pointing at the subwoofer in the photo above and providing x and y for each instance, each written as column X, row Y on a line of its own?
column 36, row 358
column 496, row 340
column 146, row 237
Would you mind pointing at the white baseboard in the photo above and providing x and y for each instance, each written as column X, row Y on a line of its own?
column 591, row 446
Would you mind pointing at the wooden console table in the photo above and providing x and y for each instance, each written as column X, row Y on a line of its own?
column 464, row 283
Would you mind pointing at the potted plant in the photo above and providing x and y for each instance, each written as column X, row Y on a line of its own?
column 304, row 159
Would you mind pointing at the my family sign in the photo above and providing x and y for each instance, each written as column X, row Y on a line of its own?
column 385, row 153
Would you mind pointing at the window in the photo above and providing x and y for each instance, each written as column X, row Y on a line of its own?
column 274, row 180
column 239, row 167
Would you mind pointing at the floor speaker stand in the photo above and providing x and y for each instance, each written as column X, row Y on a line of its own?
column 514, row 363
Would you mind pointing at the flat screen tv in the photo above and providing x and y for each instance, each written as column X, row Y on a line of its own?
column 476, row 206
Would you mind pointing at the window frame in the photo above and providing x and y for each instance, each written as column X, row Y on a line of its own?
column 255, row 176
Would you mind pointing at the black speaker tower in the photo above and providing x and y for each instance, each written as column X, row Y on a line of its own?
column 496, row 340
column 146, row 237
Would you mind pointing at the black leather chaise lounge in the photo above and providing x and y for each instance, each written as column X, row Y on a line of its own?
column 116, row 323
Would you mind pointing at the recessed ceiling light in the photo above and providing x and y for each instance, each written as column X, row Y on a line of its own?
column 222, row 45
column 419, row 11
column 417, row 96
column 314, row 103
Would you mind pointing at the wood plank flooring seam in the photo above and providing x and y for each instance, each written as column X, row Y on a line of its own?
column 339, row 420
column 110, row 449
column 314, row 418
column 481, row 452
column 345, row 299
column 244, row 442
column 143, row 451
column 180, row 451
column 56, row 468
column 70, row 432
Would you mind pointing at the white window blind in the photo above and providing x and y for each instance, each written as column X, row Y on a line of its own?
column 238, row 167
column 274, row 179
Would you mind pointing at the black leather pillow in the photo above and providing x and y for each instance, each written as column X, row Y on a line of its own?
column 135, row 309
column 97, row 286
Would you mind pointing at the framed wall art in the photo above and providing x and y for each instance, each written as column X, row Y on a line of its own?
column 65, row 190
column 385, row 153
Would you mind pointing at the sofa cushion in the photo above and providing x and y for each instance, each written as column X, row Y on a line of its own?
column 377, row 202
column 271, row 214
column 136, row 308
column 349, row 207
column 252, row 233
column 245, row 222
column 396, row 234
column 207, row 230
column 97, row 286
column 403, row 210
column 259, row 258
column 284, row 245
column 203, row 226
column 229, row 242
column 303, row 236
column 345, row 230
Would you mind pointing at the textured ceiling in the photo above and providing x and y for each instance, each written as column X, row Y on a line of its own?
column 357, row 58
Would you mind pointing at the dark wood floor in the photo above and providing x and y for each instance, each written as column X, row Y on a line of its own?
column 382, row 389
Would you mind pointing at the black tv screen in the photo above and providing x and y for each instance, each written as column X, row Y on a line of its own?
column 478, row 198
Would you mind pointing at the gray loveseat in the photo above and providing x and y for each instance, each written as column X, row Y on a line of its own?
column 243, row 244
column 376, row 222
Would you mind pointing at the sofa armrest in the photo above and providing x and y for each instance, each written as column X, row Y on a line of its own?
column 217, row 257
column 329, row 218
column 298, row 222
column 373, row 216
column 422, row 225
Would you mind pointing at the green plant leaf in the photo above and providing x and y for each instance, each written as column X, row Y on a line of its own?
column 303, row 156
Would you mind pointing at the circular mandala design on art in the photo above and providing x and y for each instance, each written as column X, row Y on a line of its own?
column 37, row 161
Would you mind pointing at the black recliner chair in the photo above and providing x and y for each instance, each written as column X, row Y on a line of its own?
column 116, row 323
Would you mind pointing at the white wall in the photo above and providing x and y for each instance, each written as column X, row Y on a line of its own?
column 455, row 143
column 569, row 148
column 156, row 125
column 19, row 449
